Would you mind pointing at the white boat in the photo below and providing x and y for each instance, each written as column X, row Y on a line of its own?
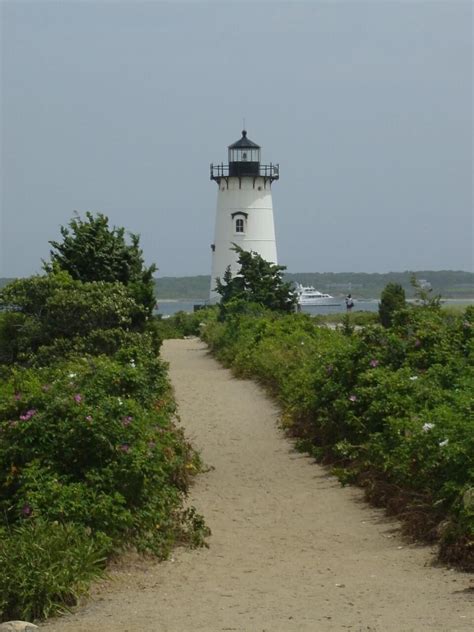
column 308, row 295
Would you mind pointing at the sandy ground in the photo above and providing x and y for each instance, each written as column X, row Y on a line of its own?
column 291, row 550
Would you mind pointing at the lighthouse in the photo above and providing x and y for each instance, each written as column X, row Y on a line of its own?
column 244, row 214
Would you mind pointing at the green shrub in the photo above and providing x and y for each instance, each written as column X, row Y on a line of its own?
column 392, row 300
column 357, row 318
column 46, row 567
column 91, row 441
column 15, row 329
column 54, row 310
column 182, row 324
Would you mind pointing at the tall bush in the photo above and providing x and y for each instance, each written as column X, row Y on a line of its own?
column 93, row 251
column 392, row 300
column 91, row 459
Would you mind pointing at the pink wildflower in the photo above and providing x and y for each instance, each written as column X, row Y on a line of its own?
column 125, row 447
column 28, row 415
column 374, row 363
column 353, row 398
column 26, row 510
column 126, row 421
column 78, row 398
column 17, row 396
column 89, row 418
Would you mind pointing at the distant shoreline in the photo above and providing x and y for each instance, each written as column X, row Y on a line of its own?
column 184, row 299
column 448, row 283
column 465, row 299
column 454, row 287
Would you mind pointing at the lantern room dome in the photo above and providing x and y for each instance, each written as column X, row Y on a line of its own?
column 244, row 142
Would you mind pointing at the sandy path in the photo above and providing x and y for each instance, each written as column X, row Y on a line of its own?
column 291, row 551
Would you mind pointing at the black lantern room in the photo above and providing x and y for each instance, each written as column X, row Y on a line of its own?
column 244, row 160
column 244, row 157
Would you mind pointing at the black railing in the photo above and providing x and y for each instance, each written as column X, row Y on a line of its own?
column 265, row 171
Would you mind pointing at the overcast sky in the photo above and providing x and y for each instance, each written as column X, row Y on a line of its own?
column 120, row 107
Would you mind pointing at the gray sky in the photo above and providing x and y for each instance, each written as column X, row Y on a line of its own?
column 120, row 107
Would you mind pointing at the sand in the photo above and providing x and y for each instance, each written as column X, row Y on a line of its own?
column 290, row 551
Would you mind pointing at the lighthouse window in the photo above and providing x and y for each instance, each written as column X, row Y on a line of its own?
column 244, row 156
column 239, row 225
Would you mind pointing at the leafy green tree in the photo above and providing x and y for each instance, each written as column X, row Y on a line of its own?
column 92, row 251
column 227, row 288
column 258, row 281
column 392, row 300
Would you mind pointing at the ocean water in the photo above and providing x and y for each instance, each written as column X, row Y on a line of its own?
column 168, row 308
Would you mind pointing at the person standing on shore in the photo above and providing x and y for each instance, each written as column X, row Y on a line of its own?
column 349, row 303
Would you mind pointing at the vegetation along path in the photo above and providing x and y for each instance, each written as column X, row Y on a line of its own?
column 290, row 549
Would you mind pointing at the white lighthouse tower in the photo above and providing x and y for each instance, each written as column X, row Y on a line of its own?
column 244, row 214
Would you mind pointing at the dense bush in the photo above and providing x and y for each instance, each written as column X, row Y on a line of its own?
column 91, row 442
column 182, row 324
column 91, row 460
column 357, row 318
column 258, row 281
column 54, row 310
column 392, row 300
column 389, row 408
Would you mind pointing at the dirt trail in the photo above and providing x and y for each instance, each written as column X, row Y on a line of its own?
column 291, row 551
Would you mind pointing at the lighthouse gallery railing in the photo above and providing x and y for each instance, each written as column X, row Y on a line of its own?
column 265, row 171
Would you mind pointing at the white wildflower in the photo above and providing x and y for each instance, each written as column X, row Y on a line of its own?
column 413, row 378
column 120, row 402
column 72, row 374
column 132, row 363
column 427, row 427
column 444, row 443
